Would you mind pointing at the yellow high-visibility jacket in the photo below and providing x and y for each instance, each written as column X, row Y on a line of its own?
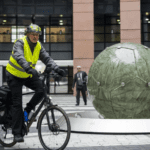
column 15, row 69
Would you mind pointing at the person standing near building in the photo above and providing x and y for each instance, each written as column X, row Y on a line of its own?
column 80, row 79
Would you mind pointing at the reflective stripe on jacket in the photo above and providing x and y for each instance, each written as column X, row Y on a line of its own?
column 14, row 68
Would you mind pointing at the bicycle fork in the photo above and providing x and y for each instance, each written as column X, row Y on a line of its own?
column 48, row 120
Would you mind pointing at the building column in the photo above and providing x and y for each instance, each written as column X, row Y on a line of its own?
column 83, row 35
column 130, row 18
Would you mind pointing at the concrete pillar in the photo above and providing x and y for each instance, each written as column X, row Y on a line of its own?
column 83, row 35
column 130, row 18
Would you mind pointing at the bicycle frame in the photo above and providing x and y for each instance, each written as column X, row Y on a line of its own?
column 48, row 103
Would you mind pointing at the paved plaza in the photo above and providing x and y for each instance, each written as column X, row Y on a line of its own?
column 83, row 141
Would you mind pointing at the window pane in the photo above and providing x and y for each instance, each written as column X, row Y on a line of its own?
column 44, row 10
column 20, row 31
column 42, row 20
column 96, row 53
column 5, row 55
column 44, row 2
column 110, row 44
column 13, row 35
column 70, row 9
column 5, row 34
column 112, row 37
column 60, row 30
column 24, row 21
column 6, row 46
column 146, row 27
column 146, row 44
column 99, row 9
column 144, row 17
column 60, row 10
column 61, row 55
column 9, row 9
column 98, row 21
column 17, row 32
column 61, row 47
column 26, row 2
column 99, row 38
column 9, row 2
column 99, row 46
column 8, row 21
column 46, row 46
column 60, row 2
column 70, row 2
column 99, row 29
column 112, row 29
column 145, row 7
column 111, row 20
column 61, row 21
column 146, row 37
column 60, row 38
column 26, row 10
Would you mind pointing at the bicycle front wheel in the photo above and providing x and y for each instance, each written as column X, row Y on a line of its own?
column 57, row 136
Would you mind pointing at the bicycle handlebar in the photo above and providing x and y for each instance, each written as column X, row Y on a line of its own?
column 42, row 76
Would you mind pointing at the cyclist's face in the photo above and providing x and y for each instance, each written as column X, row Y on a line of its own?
column 34, row 37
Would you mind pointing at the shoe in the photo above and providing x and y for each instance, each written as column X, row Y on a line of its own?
column 76, row 104
column 25, row 116
column 18, row 138
column 85, row 104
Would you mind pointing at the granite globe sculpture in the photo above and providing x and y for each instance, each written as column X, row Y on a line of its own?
column 119, row 80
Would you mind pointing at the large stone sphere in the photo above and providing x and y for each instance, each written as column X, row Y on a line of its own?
column 119, row 80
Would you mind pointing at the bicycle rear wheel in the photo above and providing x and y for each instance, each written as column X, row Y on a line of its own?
column 58, row 137
column 6, row 140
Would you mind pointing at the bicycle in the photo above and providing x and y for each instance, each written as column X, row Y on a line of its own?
column 52, row 121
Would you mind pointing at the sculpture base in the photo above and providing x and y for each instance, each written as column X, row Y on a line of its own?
column 92, row 122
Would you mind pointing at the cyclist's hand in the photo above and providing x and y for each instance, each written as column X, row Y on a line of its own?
column 33, row 72
column 61, row 72
column 48, row 69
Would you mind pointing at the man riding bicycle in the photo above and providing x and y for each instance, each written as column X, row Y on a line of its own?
column 20, row 71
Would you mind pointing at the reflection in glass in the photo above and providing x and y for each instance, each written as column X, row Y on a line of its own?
column 146, row 27
column 24, row 21
column 7, row 21
column 5, row 34
column 112, row 29
column 58, row 34
column 99, row 21
column 17, row 32
column 112, row 37
column 99, row 38
column 99, row 29
column 146, row 36
column 112, row 20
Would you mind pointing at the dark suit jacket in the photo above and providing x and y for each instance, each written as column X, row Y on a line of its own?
column 75, row 80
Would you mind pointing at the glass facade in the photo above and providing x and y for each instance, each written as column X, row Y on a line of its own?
column 106, row 24
column 53, row 16
column 145, row 22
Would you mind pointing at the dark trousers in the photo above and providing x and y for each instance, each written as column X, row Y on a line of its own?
column 15, row 84
column 78, row 95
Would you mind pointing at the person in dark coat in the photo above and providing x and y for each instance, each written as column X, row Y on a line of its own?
column 80, row 79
